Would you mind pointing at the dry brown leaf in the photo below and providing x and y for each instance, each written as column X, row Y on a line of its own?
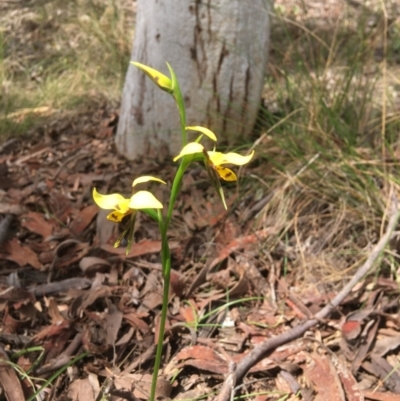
column 136, row 321
column 385, row 343
column 383, row 370
column 52, row 330
column 20, row 254
column 151, row 301
column 369, row 334
column 240, row 243
column 93, row 264
column 9, row 379
column 113, row 323
column 11, row 208
column 16, row 294
column 189, row 312
column 139, row 385
column 60, row 206
column 36, row 223
column 242, row 285
column 69, row 252
column 351, row 329
column 81, row 302
column 144, row 247
column 81, row 390
column 349, row 383
column 126, row 337
column 177, row 283
column 325, row 379
column 203, row 358
column 194, row 394
column 54, row 313
column 84, row 218
column 229, row 231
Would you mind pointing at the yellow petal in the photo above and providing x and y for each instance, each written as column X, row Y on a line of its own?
column 190, row 149
column 204, row 131
column 219, row 158
column 117, row 217
column 215, row 181
column 112, row 201
column 146, row 178
column 144, row 200
column 157, row 77
column 226, row 173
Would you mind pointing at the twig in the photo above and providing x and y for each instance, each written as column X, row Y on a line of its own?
column 63, row 358
column 259, row 352
column 67, row 161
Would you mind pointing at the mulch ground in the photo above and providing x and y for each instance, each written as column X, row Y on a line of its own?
column 73, row 304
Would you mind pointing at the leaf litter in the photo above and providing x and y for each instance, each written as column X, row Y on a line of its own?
column 65, row 289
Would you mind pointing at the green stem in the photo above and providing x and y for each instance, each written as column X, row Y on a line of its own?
column 166, row 267
column 176, row 186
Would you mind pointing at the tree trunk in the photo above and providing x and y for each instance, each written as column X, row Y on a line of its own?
column 218, row 49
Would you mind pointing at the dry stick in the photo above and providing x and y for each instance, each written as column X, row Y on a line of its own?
column 260, row 351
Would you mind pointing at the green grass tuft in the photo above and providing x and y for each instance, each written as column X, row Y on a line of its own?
column 61, row 55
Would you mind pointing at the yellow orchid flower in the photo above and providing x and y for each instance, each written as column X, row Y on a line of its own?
column 122, row 207
column 214, row 164
column 215, row 159
column 161, row 80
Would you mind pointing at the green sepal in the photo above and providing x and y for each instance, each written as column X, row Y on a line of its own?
column 117, row 243
column 161, row 80
column 177, row 95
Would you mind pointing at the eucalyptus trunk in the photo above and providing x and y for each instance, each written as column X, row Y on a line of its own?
column 218, row 49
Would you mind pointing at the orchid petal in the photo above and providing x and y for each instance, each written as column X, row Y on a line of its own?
column 144, row 200
column 204, row 131
column 219, row 158
column 146, row 178
column 190, row 149
column 117, row 217
column 113, row 201
column 226, row 174
column 161, row 80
